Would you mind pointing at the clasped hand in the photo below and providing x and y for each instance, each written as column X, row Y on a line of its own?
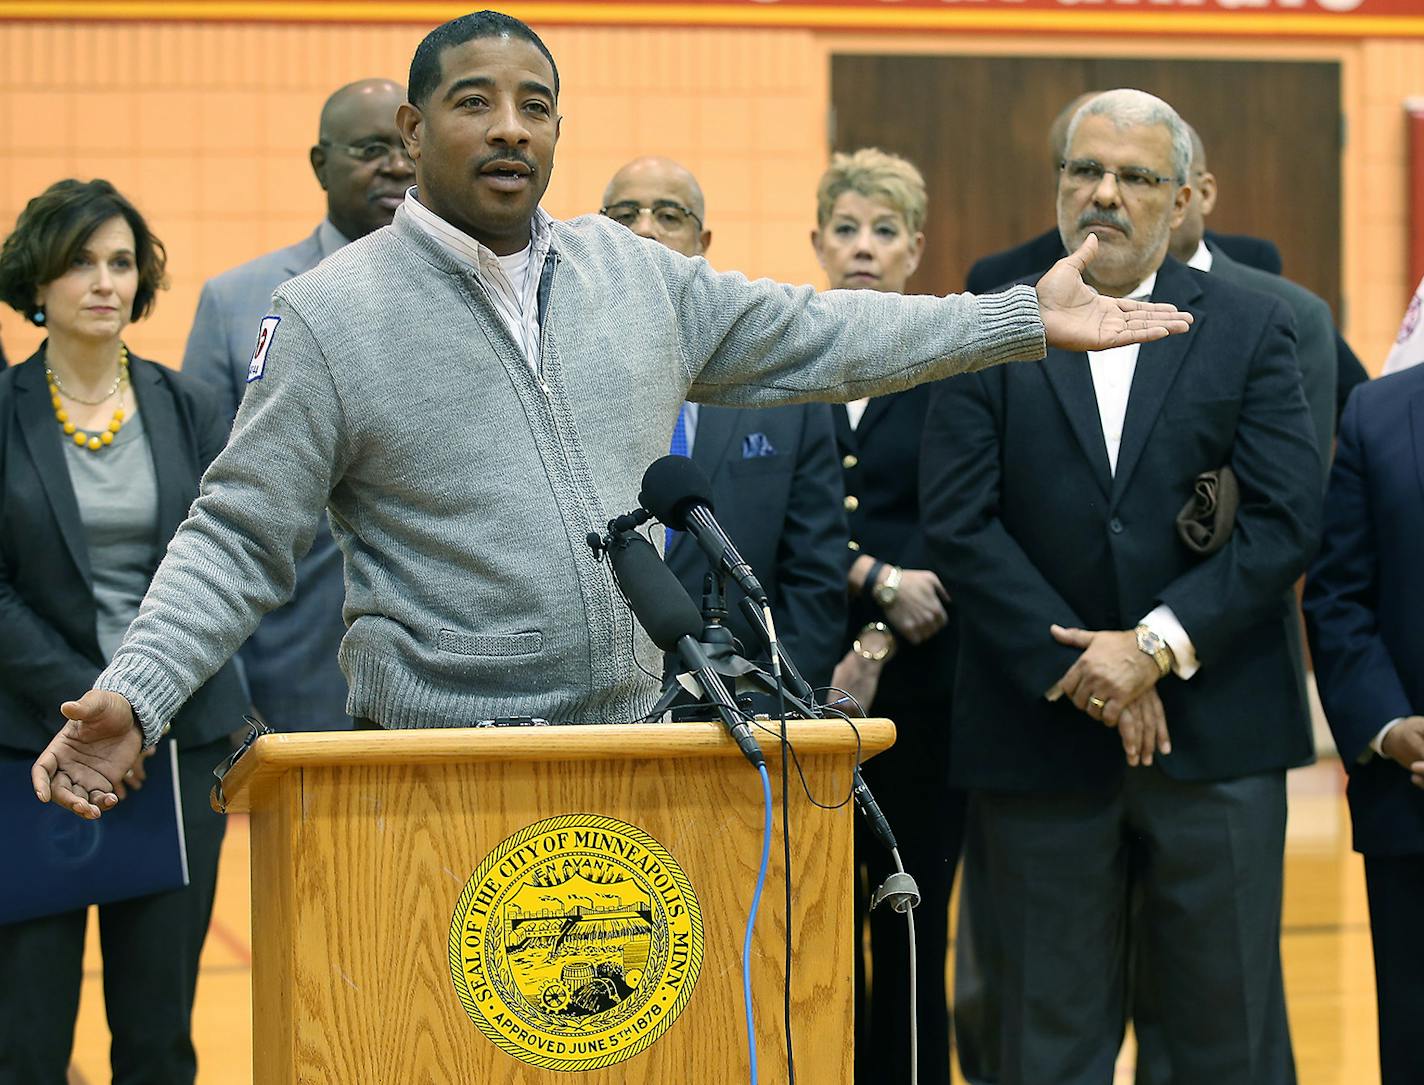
column 1405, row 745
column 1116, row 682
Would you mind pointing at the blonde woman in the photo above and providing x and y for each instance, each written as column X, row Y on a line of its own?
column 901, row 642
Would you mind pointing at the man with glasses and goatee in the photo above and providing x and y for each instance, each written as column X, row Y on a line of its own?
column 775, row 474
column 1126, row 702
column 360, row 162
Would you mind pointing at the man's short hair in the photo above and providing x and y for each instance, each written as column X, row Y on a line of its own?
column 874, row 174
column 425, row 65
column 1125, row 107
column 53, row 229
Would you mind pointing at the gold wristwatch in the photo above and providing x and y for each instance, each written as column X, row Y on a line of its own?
column 883, row 654
column 1153, row 645
column 888, row 590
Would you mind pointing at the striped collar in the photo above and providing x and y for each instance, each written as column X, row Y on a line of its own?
column 465, row 248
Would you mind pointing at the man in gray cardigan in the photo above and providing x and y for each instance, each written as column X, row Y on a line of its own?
column 359, row 160
column 469, row 392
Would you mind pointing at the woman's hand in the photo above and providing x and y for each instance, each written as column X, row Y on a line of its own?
column 860, row 677
column 918, row 612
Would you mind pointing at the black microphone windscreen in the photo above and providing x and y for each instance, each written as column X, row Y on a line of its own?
column 660, row 603
column 670, row 486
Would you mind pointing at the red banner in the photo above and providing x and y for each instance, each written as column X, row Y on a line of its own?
column 1311, row 18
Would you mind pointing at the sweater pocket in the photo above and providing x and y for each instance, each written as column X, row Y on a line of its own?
column 491, row 645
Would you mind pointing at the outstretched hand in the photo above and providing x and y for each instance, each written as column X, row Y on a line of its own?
column 82, row 769
column 1077, row 317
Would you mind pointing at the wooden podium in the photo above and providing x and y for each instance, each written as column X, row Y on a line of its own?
column 510, row 905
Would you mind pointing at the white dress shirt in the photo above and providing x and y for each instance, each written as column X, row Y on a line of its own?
column 1112, row 371
column 855, row 411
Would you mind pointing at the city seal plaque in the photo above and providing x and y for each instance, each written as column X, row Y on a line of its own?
column 576, row 943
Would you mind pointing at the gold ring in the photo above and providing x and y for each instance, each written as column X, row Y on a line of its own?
column 1097, row 702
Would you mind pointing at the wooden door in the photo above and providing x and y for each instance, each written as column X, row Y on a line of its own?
column 978, row 129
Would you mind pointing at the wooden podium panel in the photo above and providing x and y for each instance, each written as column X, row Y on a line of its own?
column 363, row 843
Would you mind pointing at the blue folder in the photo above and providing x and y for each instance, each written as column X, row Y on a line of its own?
column 52, row 862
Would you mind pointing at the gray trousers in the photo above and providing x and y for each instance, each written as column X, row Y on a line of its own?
column 1197, row 868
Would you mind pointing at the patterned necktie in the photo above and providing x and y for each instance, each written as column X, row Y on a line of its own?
column 678, row 447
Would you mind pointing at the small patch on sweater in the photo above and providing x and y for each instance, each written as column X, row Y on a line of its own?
column 265, row 334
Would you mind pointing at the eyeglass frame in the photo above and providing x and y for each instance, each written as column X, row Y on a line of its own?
column 656, row 205
column 357, row 150
column 1156, row 180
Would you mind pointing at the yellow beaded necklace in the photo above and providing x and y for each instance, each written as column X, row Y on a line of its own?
column 84, row 439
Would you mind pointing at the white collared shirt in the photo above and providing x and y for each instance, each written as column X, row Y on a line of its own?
column 510, row 282
column 1202, row 258
column 1112, row 371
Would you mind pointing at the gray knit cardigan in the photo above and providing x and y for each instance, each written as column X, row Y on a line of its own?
column 461, row 483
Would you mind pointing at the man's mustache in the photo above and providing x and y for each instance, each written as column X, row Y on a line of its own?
column 509, row 155
column 1101, row 219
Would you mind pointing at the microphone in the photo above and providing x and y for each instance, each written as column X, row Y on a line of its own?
column 663, row 607
column 677, row 492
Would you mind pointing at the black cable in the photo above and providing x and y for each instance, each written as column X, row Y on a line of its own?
column 786, row 853
column 796, row 759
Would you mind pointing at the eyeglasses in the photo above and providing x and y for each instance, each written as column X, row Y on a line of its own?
column 1085, row 173
column 373, row 150
column 668, row 216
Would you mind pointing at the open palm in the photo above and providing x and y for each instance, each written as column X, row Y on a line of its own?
column 1077, row 317
column 83, row 766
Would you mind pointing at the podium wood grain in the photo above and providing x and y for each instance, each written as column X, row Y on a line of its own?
column 362, row 844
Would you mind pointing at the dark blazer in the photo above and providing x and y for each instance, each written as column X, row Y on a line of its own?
column 776, row 485
column 881, row 458
column 49, row 647
column 1364, row 603
column 1027, row 526
column 1036, row 256
column 1315, row 342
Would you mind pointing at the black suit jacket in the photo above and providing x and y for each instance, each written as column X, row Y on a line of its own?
column 882, row 473
column 1364, row 603
column 786, row 514
column 49, row 647
column 1028, row 526
column 1034, row 257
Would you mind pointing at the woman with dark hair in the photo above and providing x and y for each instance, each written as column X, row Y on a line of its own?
column 901, row 640
column 100, row 457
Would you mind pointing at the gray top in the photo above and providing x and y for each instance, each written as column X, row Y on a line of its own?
column 461, row 483
column 117, row 494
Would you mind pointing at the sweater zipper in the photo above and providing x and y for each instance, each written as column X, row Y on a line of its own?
column 546, row 293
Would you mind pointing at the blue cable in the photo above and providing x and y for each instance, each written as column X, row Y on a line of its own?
column 751, row 921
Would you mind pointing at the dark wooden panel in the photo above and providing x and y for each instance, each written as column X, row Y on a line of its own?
column 978, row 128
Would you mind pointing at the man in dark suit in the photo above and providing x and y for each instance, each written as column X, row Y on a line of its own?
column 1364, row 605
column 1314, row 326
column 359, row 160
column 1050, row 503
column 776, row 479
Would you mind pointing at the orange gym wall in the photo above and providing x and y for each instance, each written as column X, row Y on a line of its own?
column 206, row 127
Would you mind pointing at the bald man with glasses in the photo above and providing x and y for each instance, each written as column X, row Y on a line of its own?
column 776, row 477
column 360, row 162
